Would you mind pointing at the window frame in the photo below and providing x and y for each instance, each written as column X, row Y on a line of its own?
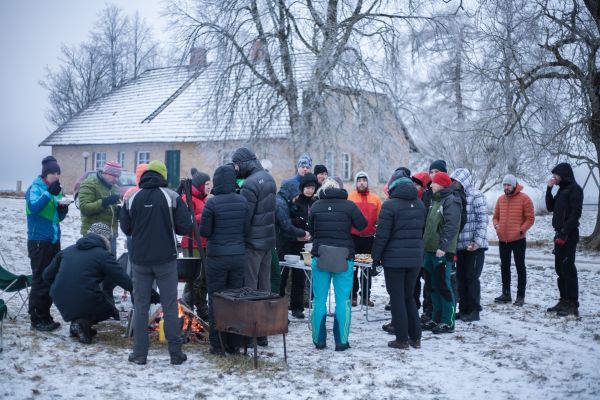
column 97, row 159
column 138, row 160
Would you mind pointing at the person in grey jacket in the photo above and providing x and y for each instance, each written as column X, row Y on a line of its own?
column 471, row 247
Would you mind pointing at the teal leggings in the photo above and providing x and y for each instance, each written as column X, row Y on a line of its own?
column 442, row 293
column 342, row 286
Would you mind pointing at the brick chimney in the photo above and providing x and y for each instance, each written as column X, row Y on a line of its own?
column 198, row 57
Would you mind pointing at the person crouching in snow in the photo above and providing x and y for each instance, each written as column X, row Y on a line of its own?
column 75, row 275
column 330, row 222
column 440, row 239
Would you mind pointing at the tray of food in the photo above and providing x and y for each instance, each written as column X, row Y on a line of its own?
column 363, row 258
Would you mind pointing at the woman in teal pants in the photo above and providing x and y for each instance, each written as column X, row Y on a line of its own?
column 330, row 222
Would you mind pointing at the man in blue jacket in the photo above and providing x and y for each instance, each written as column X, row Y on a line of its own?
column 44, row 213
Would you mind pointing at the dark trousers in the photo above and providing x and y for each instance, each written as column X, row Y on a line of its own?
column 400, row 283
column 517, row 248
column 427, row 307
column 297, row 292
column 223, row 272
column 40, row 253
column 108, row 285
column 362, row 245
column 564, row 264
column 468, row 270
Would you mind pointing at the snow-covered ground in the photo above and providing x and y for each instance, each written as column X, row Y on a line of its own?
column 512, row 353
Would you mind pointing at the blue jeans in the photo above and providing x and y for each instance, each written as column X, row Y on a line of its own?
column 342, row 286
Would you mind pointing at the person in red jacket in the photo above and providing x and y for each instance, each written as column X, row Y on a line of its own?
column 421, row 181
column 513, row 216
column 201, row 186
column 370, row 206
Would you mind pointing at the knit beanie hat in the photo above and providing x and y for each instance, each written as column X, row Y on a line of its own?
column 49, row 166
column 510, row 180
column 199, row 179
column 158, row 166
column 319, row 169
column 243, row 154
column 440, row 165
column 361, row 174
column 101, row 230
column 112, row 168
column 442, row 178
column 304, row 161
column 308, row 180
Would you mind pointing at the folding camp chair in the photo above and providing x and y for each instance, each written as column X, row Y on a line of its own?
column 3, row 313
column 14, row 284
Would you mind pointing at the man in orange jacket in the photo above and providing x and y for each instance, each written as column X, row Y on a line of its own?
column 370, row 206
column 513, row 216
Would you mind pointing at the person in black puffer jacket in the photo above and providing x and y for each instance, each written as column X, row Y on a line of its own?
column 330, row 223
column 259, row 189
column 225, row 219
column 75, row 275
column 399, row 246
column 566, row 209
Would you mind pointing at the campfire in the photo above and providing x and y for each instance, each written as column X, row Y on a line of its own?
column 193, row 328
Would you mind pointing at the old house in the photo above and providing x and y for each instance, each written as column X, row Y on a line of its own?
column 163, row 115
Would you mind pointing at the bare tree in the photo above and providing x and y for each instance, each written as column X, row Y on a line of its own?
column 111, row 33
column 142, row 49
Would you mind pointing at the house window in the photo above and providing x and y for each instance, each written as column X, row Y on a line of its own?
column 143, row 157
column 330, row 163
column 346, row 166
column 121, row 158
column 99, row 161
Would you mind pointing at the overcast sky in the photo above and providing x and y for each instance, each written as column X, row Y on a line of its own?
column 31, row 34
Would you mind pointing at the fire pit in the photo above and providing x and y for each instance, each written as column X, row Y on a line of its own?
column 251, row 313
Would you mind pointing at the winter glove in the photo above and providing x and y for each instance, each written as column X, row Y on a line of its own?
column 63, row 209
column 109, row 200
column 560, row 242
column 154, row 297
column 54, row 188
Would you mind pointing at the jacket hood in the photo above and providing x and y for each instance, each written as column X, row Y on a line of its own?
column 400, row 172
column 516, row 191
column 565, row 171
column 423, row 178
column 307, row 180
column 464, row 177
column 224, row 180
column 333, row 193
column 403, row 190
column 38, row 181
column 289, row 190
column 247, row 162
column 449, row 191
column 90, row 241
column 152, row 179
column 139, row 171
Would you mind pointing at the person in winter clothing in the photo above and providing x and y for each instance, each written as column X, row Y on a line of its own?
column 303, row 166
column 566, row 207
column 152, row 217
column 321, row 173
column 421, row 181
column 201, row 186
column 260, row 190
column 471, row 247
column 139, row 171
column 330, row 221
column 75, row 275
column 290, row 240
column 44, row 214
column 513, row 216
column 440, row 240
column 370, row 206
column 399, row 246
column 225, row 220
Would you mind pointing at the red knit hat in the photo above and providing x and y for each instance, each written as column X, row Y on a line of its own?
column 442, row 179
column 112, row 168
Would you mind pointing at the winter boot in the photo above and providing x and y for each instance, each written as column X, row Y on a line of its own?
column 442, row 328
column 85, row 331
column 74, row 329
column 298, row 314
column 139, row 360
column 558, row 306
column 342, row 346
column 262, row 341
column 520, row 301
column 178, row 358
column 415, row 344
column 389, row 328
column 429, row 325
column 471, row 317
column 320, row 346
column 570, row 308
column 45, row 325
column 503, row 298
column 395, row 344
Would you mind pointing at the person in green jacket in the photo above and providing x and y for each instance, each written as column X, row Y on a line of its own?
column 98, row 202
column 440, row 238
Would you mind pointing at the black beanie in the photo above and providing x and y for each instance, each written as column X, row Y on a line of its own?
column 199, row 179
column 50, row 166
column 440, row 165
column 319, row 169
column 308, row 180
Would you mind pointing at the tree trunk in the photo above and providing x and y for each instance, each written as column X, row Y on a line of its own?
column 592, row 242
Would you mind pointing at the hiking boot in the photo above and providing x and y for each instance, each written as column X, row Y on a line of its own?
column 45, row 325
column 520, row 301
column 74, row 329
column 503, row 299
column 262, row 341
column 342, row 346
column 570, row 308
column 474, row 316
column 425, row 318
column 415, row 344
column 85, row 331
column 298, row 314
column 367, row 302
column 178, row 358
column 320, row 346
column 442, row 328
column 139, row 360
column 389, row 328
column 395, row 344
column 558, row 306
column 429, row 325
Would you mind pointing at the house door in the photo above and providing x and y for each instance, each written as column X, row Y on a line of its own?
column 173, row 161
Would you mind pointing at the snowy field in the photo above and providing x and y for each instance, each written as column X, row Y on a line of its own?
column 512, row 353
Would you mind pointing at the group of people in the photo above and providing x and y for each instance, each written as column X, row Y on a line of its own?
column 431, row 226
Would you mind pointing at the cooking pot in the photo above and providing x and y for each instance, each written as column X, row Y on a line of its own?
column 188, row 269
